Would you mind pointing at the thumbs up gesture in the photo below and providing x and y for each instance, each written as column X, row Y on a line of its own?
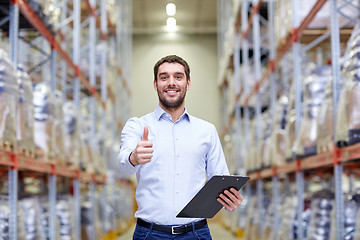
column 143, row 151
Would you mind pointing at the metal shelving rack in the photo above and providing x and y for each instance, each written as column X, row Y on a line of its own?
column 97, row 23
column 248, row 20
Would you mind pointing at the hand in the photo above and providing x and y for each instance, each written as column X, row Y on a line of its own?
column 143, row 151
column 230, row 199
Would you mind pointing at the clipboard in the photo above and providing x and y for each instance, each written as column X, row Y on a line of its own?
column 204, row 203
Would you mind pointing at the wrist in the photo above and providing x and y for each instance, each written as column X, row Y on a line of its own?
column 132, row 160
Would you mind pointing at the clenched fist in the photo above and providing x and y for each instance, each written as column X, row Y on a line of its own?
column 143, row 151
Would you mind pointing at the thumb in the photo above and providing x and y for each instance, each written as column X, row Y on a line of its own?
column 145, row 135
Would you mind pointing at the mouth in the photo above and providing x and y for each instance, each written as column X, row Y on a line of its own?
column 171, row 92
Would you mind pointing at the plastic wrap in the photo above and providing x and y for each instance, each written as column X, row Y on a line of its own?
column 64, row 213
column 264, row 153
column 278, row 144
column 8, row 103
column 25, row 114
column 251, row 161
column 322, row 205
column 287, row 214
column 59, row 131
column 72, row 138
column 314, row 89
column 348, row 117
column 44, row 121
column 29, row 221
column 4, row 218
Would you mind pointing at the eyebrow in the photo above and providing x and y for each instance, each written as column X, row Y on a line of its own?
column 166, row 73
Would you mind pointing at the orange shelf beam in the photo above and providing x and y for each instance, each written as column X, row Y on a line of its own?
column 320, row 160
column 24, row 163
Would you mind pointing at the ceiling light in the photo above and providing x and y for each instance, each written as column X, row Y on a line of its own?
column 170, row 9
column 171, row 24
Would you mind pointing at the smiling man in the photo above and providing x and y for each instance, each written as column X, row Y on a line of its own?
column 171, row 153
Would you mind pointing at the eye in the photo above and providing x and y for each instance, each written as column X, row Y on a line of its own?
column 163, row 77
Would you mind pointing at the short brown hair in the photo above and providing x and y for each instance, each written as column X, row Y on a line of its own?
column 172, row 59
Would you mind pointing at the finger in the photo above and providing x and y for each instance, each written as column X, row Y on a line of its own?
column 237, row 194
column 224, row 204
column 143, row 161
column 234, row 198
column 146, row 133
column 145, row 144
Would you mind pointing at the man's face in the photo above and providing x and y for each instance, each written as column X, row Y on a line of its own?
column 171, row 85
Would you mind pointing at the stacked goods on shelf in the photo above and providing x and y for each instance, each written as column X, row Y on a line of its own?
column 351, row 209
column 59, row 150
column 44, row 122
column 322, row 205
column 265, row 141
column 290, row 126
column 8, row 103
column 4, row 217
column 25, row 114
column 278, row 143
column 64, row 213
column 314, row 88
column 72, row 138
column 287, row 217
column 86, row 152
column 348, row 118
column 87, row 218
column 29, row 219
column 251, row 160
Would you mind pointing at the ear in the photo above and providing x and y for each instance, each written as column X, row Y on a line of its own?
column 155, row 85
column 188, row 83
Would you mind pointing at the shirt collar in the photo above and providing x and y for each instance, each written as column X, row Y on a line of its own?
column 159, row 112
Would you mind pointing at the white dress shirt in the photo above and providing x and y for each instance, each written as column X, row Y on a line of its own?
column 185, row 153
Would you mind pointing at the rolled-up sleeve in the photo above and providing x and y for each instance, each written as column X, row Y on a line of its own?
column 130, row 136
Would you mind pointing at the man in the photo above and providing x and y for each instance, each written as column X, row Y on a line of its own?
column 171, row 153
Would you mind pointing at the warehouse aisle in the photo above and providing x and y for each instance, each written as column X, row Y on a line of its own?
column 217, row 231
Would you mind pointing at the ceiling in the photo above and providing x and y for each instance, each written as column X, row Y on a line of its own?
column 192, row 16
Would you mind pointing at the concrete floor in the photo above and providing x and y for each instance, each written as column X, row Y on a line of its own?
column 218, row 232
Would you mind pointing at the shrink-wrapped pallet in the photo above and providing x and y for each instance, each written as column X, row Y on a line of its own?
column 290, row 130
column 314, row 88
column 348, row 117
column 264, row 153
column 278, row 144
column 8, row 103
column 251, row 160
column 59, row 131
column 72, row 138
column 44, row 121
column 25, row 114
column 322, row 205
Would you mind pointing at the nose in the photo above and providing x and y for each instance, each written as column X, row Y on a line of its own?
column 171, row 80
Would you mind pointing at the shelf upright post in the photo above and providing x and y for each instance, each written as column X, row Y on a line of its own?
column 103, row 28
column 13, row 171
column 14, row 32
column 338, row 166
column 76, row 95
column 92, row 80
column 272, row 50
column 52, row 205
column 257, row 70
column 245, row 69
column 52, row 176
column 298, row 108
column 240, row 170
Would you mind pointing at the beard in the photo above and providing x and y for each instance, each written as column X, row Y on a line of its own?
column 172, row 104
